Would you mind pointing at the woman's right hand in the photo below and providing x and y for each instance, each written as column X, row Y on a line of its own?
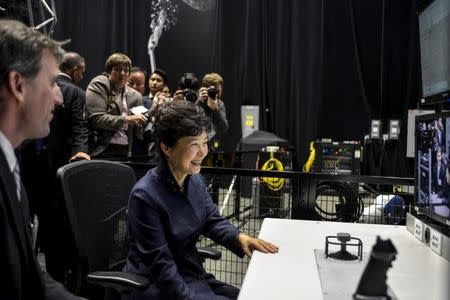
column 248, row 244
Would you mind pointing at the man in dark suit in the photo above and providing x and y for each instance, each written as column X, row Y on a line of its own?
column 40, row 160
column 28, row 95
column 69, row 129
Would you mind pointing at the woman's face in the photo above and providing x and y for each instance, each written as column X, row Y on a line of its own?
column 187, row 154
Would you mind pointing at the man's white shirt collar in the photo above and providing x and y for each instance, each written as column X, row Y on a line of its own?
column 8, row 150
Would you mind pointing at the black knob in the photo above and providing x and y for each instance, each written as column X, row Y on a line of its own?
column 343, row 237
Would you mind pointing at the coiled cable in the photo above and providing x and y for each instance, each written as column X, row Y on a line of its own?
column 274, row 184
column 349, row 206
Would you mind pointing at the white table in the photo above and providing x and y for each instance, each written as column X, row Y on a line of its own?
column 417, row 272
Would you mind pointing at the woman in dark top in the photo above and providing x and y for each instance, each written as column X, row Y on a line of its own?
column 170, row 208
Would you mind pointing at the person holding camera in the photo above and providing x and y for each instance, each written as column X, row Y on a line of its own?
column 158, row 95
column 209, row 98
column 108, row 105
column 158, row 80
column 188, row 88
column 210, row 95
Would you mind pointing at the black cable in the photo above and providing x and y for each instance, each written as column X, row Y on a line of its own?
column 350, row 205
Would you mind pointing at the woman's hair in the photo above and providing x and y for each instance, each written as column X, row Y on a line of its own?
column 212, row 79
column 177, row 119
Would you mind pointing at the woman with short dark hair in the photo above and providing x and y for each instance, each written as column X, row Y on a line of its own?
column 170, row 208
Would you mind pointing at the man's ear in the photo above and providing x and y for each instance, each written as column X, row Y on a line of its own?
column 16, row 85
column 72, row 72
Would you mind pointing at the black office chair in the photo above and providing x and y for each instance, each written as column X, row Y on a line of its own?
column 96, row 194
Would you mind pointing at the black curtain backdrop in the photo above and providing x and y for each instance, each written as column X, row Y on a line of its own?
column 270, row 55
column 99, row 28
column 320, row 68
column 317, row 68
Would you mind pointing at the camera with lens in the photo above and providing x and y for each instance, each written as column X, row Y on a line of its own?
column 189, row 85
column 212, row 92
column 147, row 132
column 190, row 95
column 141, row 110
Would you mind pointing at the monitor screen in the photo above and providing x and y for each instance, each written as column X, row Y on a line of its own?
column 434, row 29
column 433, row 166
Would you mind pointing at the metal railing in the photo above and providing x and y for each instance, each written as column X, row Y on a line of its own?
column 245, row 197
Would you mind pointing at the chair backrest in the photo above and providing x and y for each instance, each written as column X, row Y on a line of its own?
column 96, row 195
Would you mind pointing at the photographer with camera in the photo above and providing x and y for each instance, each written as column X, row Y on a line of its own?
column 188, row 88
column 210, row 95
column 109, row 103
column 158, row 95
column 156, row 83
column 209, row 98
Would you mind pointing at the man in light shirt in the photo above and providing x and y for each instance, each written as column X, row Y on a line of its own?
column 28, row 95
column 108, row 105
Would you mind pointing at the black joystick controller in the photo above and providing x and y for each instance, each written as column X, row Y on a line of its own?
column 343, row 240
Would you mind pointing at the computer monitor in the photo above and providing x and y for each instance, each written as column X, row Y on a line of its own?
column 434, row 29
column 432, row 172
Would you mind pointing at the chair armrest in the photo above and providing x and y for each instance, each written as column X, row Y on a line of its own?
column 120, row 281
column 208, row 252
